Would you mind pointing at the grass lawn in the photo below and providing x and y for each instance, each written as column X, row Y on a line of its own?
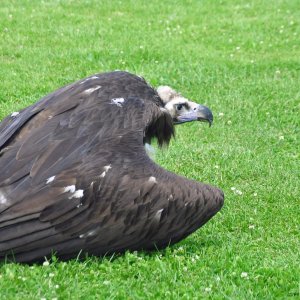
column 240, row 58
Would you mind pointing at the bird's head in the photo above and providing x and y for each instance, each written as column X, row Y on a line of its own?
column 181, row 109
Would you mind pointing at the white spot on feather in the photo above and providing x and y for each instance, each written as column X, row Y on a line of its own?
column 50, row 179
column 90, row 90
column 92, row 232
column 158, row 215
column 77, row 194
column 90, row 78
column 106, row 168
column 3, row 199
column 14, row 114
column 117, row 101
column 89, row 233
column 170, row 197
column 152, row 179
column 103, row 175
column 70, row 188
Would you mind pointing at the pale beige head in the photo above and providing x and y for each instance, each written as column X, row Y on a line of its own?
column 181, row 109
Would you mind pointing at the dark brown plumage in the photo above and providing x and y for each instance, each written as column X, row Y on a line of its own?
column 75, row 175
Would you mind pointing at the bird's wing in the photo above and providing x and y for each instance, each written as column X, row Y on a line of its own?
column 76, row 176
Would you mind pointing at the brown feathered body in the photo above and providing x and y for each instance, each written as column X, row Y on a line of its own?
column 75, row 175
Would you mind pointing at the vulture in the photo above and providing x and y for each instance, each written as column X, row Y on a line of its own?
column 76, row 178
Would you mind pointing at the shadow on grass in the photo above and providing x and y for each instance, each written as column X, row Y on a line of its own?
column 189, row 246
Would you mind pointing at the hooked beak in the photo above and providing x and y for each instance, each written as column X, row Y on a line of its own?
column 196, row 113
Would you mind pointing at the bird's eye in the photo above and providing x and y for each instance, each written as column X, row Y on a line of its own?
column 179, row 106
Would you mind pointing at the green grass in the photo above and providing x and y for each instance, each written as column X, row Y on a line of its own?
column 242, row 59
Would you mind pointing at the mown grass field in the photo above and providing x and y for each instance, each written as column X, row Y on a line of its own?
column 240, row 58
